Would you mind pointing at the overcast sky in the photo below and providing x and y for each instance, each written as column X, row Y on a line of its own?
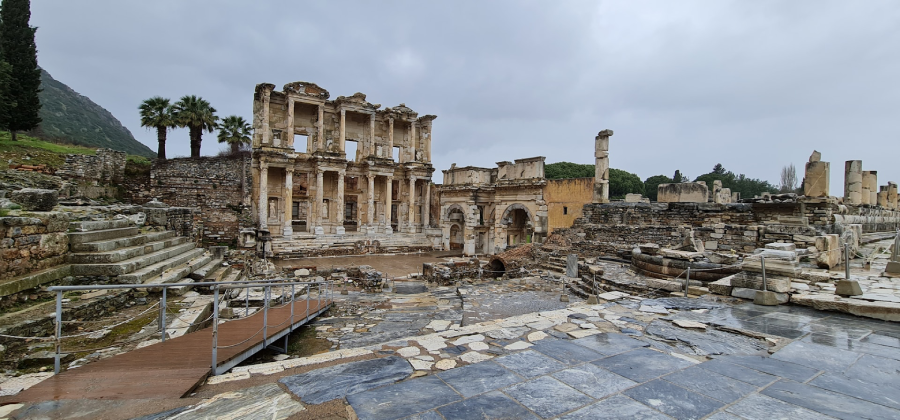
column 754, row 85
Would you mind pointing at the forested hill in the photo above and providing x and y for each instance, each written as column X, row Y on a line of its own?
column 73, row 118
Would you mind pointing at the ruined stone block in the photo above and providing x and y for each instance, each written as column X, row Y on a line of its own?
column 751, row 294
column 35, row 199
column 685, row 192
column 722, row 286
column 829, row 251
column 754, row 281
column 847, row 288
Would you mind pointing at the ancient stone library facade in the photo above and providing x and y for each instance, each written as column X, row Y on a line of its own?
column 325, row 166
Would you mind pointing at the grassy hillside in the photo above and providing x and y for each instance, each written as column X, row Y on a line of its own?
column 73, row 118
column 33, row 151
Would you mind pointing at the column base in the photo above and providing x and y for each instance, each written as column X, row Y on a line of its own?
column 319, row 231
column 287, row 232
column 340, row 230
column 388, row 230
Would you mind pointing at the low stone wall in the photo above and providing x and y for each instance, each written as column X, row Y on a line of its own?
column 32, row 243
column 218, row 186
column 615, row 228
column 94, row 176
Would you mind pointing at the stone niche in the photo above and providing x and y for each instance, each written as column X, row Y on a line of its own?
column 684, row 192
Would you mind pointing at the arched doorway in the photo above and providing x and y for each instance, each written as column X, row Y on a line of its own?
column 519, row 225
column 497, row 268
column 457, row 238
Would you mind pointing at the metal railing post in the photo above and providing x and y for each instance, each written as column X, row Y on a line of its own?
column 266, row 291
column 847, row 260
column 246, row 302
column 215, row 335
column 687, row 281
column 292, row 306
column 58, row 331
column 162, row 316
column 306, row 315
column 762, row 265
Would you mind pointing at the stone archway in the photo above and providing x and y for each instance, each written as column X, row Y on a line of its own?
column 518, row 224
column 457, row 238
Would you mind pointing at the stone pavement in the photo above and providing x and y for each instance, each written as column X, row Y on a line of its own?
column 633, row 358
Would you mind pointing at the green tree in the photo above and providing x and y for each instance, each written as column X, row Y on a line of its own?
column 565, row 170
column 748, row 187
column 19, row 51
column 6, row 101
column 156, row 112
column 234, row 131
column 197, row 115
column 651, row 185
column 677, row 178
column 622, row 182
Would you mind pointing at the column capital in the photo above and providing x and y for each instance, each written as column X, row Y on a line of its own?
column 343, row 172
column 343, row 112
column 289, row 169
column 263, row 164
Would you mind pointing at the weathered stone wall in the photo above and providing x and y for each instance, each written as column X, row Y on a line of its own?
column 218, row 186
column 32, row 243
column 94, row 176
column 565, row 199
column 616, row 227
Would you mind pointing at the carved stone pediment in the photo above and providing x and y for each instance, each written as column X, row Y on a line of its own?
column 306, row 89
column 357, row 99
column 403, row 111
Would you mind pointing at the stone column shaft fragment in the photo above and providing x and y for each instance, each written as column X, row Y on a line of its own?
column 289, row 130
column 288, row 202
column 411, row 213
column 370, row 203
column 339, row 200
column 853, row 182
column 601, row 174
column 319, row 196
column 263, row 195
column 388, row 189
column 343, row 130
column 320, row 137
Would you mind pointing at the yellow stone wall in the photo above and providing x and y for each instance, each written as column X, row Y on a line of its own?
column 565, row 199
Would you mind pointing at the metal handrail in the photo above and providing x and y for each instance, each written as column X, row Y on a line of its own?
column 267, row 284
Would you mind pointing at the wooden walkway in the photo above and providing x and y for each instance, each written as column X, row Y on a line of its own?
column 171, row 369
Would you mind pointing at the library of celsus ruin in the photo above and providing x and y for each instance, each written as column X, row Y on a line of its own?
column 333, row 167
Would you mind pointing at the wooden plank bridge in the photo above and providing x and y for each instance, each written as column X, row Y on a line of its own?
column 172, row 369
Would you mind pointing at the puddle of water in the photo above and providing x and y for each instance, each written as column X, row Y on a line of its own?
column 396, row 265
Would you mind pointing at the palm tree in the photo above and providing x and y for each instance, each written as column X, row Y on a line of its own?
column 234, row 131
column 197, row 115
column 157, row 113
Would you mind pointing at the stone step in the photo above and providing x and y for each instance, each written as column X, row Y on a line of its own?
column 77, row 238
column 95, row 225
column 125, row 253
column 118, row 243
column 201, row 272
column 35, row 279
column 218, row 274
column 161, row 270
column 177, row 273
column 132, row 264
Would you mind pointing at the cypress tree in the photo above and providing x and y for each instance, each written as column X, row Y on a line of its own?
column 19, row 51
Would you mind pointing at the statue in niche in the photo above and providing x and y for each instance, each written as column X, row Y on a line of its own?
column 325, row 209
column 419, row 155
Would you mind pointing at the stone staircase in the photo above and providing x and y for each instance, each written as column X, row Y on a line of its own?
column 555, row 265
column 117, row 249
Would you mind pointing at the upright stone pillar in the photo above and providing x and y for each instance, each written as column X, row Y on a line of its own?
column 883, row 196
column 370, row 150
column 412, row 205
column 289, row 130
column 601, row 174
column 288, row 229
column 869, row 187
column 572, row 265
column 343, row 130
column 815, row 180
column 892, row 196
column 266, row 131
column 339, row 203
column 390, row 150
column 388, row 190
column 412, row 141
column 853, row 182
column 426, row 209
column 263, row 195
column 370, row 201
column 320, row 125
column 320, row 199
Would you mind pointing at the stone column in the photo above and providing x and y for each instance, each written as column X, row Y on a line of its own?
column 288, row 202
column 389, row 186
column 289, row 130
column 390, row 151
column 343, row 130
column 853, row 182
column 266, row 132
column 883, row 196
column 815, row 181
column 870, row 187
column 319, row 196
column 412, row 204
column 370, row 201
column 371, row 149
column 412, row 141
column 426, row 211
column 339, row 202
column 601, row 174
column 320, row 137
column 263, row 195
column 892, row 196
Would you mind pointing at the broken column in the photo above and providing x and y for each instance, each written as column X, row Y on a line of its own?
column 892, row 196
column 601, row 167
column 869, row 187
column 853, row 182
column 815, row 181
column 883, row 196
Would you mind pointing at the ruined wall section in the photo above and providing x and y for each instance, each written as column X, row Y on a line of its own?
column 94, row 176
column 565, row 199
column 30, row 244
column 218, row 186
